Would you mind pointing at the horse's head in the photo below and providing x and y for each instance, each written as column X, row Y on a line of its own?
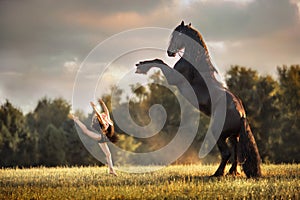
column 177, row 42
column 182, row 37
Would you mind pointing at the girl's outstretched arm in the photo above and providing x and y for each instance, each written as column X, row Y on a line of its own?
column 84, row 129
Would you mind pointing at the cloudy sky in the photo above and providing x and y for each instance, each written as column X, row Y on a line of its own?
column 43, row 43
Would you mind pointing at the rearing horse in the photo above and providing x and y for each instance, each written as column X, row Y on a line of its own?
column 213, row 99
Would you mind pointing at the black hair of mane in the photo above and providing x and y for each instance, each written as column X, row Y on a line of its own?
column 195, row 35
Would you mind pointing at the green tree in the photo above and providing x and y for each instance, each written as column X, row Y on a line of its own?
column 287, row 149
column 48, row 112
column 52, row 146
column 16, row 141
column 51, row 116
column 268, row 116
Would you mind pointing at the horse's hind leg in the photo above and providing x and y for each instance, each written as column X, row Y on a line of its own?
column 225, row 153
column 233, row 141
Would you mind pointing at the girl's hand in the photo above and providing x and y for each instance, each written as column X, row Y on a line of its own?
column 100, row 101
column 92, row 104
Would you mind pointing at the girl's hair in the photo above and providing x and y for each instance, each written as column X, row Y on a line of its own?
column 110, row 132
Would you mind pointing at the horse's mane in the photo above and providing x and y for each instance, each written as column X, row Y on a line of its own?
column 194, row 34
column 198, row 37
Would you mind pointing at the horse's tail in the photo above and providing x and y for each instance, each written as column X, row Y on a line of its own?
column 248, row 153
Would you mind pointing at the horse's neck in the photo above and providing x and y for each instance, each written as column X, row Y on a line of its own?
column 195, row 53
column 200, row 60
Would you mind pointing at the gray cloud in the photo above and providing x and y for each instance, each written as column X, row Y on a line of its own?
column 230, row 20
column 40, row 39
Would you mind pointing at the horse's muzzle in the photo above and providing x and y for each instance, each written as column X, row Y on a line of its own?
column 171, row 53
column 139, row 71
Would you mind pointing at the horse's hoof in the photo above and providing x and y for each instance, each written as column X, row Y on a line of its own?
column 235, row 173
column 217, row 175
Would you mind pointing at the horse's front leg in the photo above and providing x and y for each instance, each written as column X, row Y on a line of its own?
column 171, row 75
column 225, row 154
column 144, row 66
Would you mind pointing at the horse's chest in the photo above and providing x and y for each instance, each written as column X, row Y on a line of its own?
column 184, row 69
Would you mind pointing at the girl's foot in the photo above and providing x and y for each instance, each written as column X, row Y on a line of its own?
column 112, row 172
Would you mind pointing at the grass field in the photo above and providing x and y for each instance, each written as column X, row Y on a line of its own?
column 173, row 182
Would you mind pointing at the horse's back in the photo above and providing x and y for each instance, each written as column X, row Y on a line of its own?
column 237, row 103
column 234, row 113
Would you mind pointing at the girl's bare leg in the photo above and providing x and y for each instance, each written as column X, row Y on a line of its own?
column 95, row 136
column 107, row 153
column 84, row 129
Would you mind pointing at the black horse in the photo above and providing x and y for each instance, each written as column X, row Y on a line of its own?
column 196, row 68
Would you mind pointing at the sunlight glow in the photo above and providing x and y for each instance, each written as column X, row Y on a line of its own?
column 240, row 1
column 298, row 4
column 188, row 2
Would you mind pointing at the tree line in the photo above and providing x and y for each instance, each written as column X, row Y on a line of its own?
column 46, row 137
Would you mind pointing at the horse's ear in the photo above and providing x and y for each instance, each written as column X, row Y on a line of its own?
column 182, row 23
column 190, row 24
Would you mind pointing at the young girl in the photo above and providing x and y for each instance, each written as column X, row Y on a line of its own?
column 104, row 127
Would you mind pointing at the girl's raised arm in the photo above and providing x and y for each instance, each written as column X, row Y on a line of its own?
column 97, row 112
column 101, row 102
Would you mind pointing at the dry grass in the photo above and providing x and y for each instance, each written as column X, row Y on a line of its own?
column 173, row 182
